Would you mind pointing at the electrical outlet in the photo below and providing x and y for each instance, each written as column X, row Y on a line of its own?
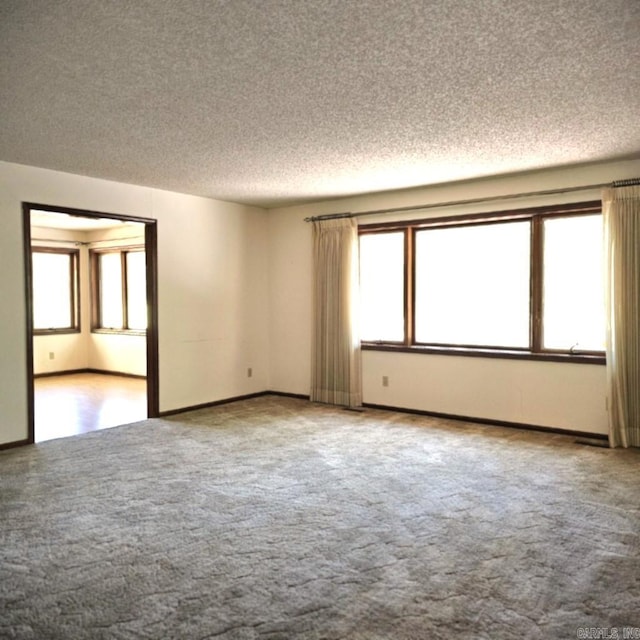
column 385, row 381
column 249, row 372
column 52, row 355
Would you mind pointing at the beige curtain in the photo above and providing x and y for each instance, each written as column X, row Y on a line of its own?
column 621, row 216
column 336, row 371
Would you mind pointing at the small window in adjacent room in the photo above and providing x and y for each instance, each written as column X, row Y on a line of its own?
column 55, row 290
column 119, row 300
column 136, row 290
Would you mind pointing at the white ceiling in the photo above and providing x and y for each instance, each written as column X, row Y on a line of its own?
column 273, row 102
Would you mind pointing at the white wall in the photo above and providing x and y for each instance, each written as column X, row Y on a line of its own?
column 118, row 353
column 212, row 287
column 568, row 396
column 213, row 300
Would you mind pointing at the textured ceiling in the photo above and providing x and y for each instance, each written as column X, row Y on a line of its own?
column 274, row 102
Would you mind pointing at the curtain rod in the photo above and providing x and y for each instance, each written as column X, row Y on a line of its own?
column 452, row 203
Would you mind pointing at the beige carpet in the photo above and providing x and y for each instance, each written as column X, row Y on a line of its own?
column 273, row 518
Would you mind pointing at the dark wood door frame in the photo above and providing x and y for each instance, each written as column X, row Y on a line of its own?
column 151, row 249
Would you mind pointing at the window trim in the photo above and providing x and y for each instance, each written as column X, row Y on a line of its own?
column 74, row 287
column 94, row 270
column 536, row 351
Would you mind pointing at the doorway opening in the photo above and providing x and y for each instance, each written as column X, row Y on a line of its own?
column 92, row 340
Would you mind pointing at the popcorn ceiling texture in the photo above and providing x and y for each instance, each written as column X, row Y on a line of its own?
column 276, row 102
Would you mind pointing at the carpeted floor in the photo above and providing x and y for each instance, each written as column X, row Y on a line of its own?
column 273, row 518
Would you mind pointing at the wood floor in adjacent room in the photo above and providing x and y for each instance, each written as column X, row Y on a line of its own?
column 67, row 405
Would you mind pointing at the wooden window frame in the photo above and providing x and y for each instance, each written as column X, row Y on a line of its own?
column 535, row 351
column 94, row 268
column 74, row 287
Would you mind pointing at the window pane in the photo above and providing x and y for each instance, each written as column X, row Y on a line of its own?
column 136, row 291
column 382, row 286
column 110, row 291
column 472, row 285
column 573, row 312
column 52, row 292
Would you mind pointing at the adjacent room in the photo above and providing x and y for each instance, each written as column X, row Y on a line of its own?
column 89, row 333
column 319, row 319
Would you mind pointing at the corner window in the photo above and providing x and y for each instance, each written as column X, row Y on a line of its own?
column 525, row 283
column 55, row 288
column 119, row 299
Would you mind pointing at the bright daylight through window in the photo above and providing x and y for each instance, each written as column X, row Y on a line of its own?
column 526, row 283
column 55, row 299
column 382, row 286
column 574, row 284
column 472, row 285
column 119, row 300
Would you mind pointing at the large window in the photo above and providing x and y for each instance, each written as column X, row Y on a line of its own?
column 119, row 299
column 524, row 283
column 55, row 290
